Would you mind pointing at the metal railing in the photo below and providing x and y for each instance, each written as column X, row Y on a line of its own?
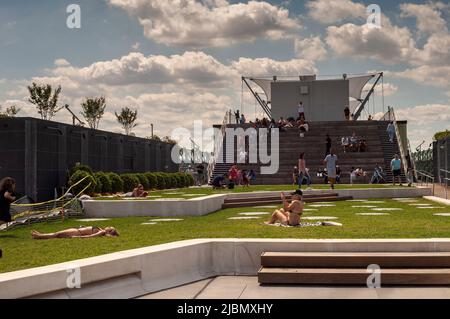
column 413, row 160
column 428, row 178
column 218, row 147
column 399, row 140
column 446, row 180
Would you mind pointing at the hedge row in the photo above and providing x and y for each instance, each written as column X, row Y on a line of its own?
column 111, row 183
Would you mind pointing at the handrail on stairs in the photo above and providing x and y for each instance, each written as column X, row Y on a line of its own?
column 218, row 148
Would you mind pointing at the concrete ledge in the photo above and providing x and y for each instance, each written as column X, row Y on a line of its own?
column 208, row 204
column 159, row 208
column 438, row 200
column 141, row 271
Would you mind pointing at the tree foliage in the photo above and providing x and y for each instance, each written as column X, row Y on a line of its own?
column 127, row 118
column 441, row 135
column 10, row 111
column 93, row 110
column 45, row 99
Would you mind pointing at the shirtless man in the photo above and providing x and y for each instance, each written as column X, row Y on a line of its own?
column 291, row 213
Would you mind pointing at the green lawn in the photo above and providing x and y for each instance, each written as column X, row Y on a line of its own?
column 21, row 252
column 203, row 191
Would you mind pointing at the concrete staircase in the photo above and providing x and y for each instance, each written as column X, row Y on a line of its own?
column 379, row 151
column 268, row 200
column 350, row 268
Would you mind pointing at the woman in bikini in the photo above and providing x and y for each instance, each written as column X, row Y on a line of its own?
column 81, row 232
column 291, row 213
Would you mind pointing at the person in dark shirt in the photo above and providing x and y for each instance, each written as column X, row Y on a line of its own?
column 219, row 181
column 328, row 145
column 7, row 188
column 347, row 113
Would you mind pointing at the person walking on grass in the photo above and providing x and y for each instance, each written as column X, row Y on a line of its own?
column 303, row 172
column 331, row 161
column 396, row 167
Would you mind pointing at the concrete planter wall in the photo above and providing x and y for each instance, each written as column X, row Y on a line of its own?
column 205, row 205
column 141, row 271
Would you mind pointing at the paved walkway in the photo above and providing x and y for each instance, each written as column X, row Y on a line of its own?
column 231, row 287
column 439, row 191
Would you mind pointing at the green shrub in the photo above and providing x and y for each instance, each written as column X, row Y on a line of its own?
column 173, row 180
column 191, row 180
column 161, row 183
column 81, row 167
column 116, row 183
column 143, row 180
column 181, row 180
column 130, row 182
column 152, row 180
column 104, row 184
column 167, row 180
column 89, row 179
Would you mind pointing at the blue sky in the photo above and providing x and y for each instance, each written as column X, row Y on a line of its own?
column 36, row 45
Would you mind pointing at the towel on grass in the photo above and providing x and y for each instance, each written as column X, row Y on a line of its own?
column 308, row 224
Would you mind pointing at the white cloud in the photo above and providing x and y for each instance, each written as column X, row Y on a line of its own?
column 136, row 46
column 425, row 114
column 198, row 24
column 61, row 62
column 429, row 18
column 268, row 67
column 389, row 89
column 193, row 68
column 332, row 11
column 437, row 76
column 311, row 48
column 435, row 51
column 388, row 44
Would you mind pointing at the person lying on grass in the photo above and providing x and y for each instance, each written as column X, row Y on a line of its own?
column 291, row 213
column 81, row 232
column 139, row 192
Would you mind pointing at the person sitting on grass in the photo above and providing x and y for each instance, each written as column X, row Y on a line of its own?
column 291, row 213
column 139, row 192
column 7, row 188
column 81, row 232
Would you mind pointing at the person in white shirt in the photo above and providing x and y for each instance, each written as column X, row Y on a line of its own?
column 301, row 111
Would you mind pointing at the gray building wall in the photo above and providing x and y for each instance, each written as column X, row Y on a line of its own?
column 325, row 101
column 39, row 154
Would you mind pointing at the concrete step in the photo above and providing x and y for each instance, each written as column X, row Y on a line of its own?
column 353, row 276
column 355, row 260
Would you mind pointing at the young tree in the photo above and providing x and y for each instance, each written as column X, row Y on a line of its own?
column 10, row 111
column 127, row 119
column 45, row 99
column 93, row 110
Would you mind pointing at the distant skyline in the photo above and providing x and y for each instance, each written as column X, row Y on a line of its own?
column 177, row 61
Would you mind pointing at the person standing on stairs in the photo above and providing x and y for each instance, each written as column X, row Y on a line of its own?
column 328, row 145
column 391, row 131
column 396, row 167
column 301, row 111
column 331, row 161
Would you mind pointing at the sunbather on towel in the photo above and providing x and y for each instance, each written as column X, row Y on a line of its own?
column 291, row 213
column 81, row 232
